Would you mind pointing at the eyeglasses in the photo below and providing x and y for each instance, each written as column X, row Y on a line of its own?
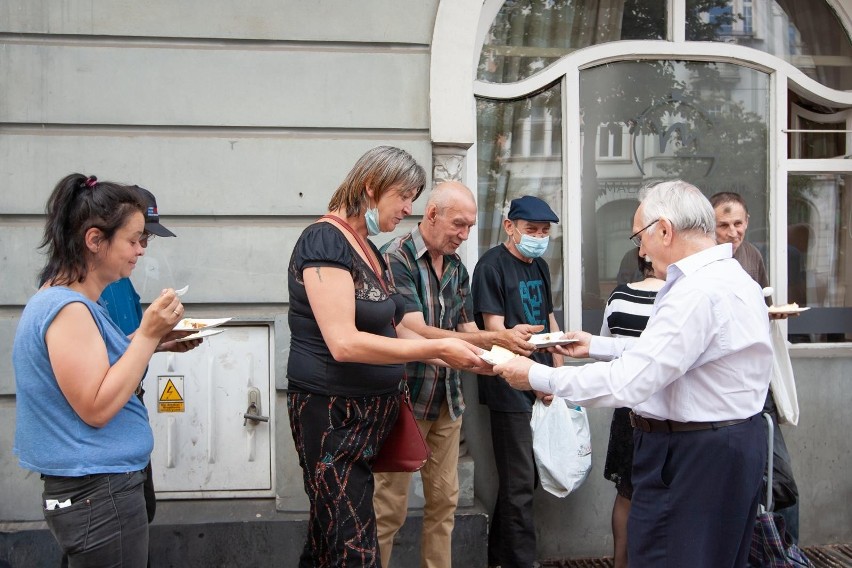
column 145, row 238
column 636, row 239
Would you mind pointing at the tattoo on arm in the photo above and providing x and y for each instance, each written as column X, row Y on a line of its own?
column 319, row 274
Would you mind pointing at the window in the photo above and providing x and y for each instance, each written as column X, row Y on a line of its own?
column 748, row 17
column 806, row 34
column 674, row 135
column 527, row 36
column 721, row 19
column 611, row 141
column 819, row 255
column 520, row 153
column 630, row 116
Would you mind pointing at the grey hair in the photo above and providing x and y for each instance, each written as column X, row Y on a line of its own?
column 682, row 204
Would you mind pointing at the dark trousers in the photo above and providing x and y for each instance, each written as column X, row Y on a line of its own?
column 147, row 490
column 336, row 439
column 511, row 538
column 106, row 524
column 695, row 496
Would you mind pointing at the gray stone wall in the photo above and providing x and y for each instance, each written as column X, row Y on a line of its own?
column 241, row 118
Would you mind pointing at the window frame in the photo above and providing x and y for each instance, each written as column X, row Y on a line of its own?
column 783, row 77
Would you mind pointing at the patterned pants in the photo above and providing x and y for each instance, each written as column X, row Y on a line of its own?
column 337, row 438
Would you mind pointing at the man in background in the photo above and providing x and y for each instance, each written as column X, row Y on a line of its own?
column 731, row 225
column 511, row 286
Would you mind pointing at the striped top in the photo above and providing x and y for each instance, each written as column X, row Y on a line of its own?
column 627, row 311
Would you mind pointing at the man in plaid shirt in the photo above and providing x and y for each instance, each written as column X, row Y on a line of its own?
column 436, row 287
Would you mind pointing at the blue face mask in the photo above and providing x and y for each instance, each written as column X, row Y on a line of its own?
column 532, row 247
column 372, row 218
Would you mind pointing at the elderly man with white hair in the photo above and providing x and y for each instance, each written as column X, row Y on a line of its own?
column 696, row 379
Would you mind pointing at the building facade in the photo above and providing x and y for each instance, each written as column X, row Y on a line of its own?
column 243, row 118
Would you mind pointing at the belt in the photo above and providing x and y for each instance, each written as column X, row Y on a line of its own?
column 666, row 426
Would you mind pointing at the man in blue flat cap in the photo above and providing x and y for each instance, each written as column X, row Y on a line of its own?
column 511, row 286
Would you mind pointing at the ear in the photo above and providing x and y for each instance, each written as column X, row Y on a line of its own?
column 431, row 213
column 509, row 227
column 666, row 231
column 93, row 239
column 368, row 190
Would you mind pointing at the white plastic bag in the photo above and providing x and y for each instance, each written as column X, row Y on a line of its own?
column 562, row 446
column 782, row 382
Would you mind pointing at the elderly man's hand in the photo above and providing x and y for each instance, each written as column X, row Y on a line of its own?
column 579, row 349
column 516, row 339
column 516, row 371
column 544, row 397
column 781, row 316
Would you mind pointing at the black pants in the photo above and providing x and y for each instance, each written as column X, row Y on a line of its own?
column 695, row 496
column 105, row 524
column 337, row 439
column 511, row 538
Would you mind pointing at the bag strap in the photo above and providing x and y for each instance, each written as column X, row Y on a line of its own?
column 403, row 384
column 363, row 244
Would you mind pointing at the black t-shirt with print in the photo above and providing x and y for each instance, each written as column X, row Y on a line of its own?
column 520, row 292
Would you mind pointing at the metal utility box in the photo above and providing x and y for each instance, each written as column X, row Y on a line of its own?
column 211, row 410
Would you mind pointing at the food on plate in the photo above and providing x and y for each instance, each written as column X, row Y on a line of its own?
column 498, row 355
column 792, row 309
column 188, row 324
column 542, row 340
column 546, row 337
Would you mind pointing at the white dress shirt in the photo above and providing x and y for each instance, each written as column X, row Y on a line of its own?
column 705, row 356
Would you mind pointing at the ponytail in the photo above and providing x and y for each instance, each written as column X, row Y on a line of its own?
column 77, row 204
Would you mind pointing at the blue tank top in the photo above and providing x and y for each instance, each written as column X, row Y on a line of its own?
column 50, row 437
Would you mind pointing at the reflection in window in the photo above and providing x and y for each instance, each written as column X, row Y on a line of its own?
column 528, row 35
column 806, row 34
column 818, row 132
column 519, row 145
column 819, row 257
column 702, row 122
column 611, row 141
column 818, row 145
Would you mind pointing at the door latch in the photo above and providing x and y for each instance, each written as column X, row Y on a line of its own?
column 253, row 411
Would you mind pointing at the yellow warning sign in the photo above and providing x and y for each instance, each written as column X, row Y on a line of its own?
column 171, row 394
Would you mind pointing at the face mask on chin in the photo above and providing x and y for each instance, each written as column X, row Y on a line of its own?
column 532, row 247
column 372, row 219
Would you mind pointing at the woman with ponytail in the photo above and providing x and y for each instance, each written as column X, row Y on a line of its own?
column 78, row 422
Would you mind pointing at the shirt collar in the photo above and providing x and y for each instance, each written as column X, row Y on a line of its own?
column 693, row 262
column 420, row 249
column 418, row 242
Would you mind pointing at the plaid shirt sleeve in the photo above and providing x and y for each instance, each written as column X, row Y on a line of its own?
column 404, row 280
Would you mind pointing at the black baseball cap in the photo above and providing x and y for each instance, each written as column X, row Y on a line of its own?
column 152, row 217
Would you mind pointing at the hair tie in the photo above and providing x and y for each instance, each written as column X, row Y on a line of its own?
column 91, row 181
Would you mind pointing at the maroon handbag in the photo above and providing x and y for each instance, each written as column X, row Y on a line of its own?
column 404, row 449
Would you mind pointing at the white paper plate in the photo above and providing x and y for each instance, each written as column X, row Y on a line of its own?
column 491, row 359
column 195, row 324
column 541, row 340
column 203, row 333
column 786, row 311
